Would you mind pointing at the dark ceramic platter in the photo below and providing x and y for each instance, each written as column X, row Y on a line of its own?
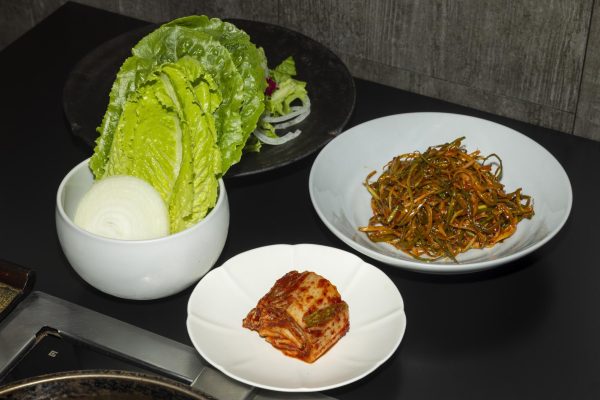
column 329, row 83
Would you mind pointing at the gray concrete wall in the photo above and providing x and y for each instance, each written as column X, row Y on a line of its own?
column 531, row 60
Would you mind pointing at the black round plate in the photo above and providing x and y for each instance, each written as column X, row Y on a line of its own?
column 329, row 83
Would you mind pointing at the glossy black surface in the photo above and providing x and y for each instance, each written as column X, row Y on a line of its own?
column 54, row 352
column 331, row 90
column 526, row 330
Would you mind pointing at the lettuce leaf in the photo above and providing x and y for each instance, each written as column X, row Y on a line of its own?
column 168, row 44
column 288, row 89
column 250, row 62
column 284, row 71
column 167, row 136
column 180, row 112
column 132, row 74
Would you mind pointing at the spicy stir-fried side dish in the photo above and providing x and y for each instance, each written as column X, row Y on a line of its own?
column 443, row 202
column 303, row 315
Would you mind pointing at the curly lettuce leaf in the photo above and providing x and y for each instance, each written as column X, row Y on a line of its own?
column 181, row 110
column 167, row 136
column 169, row 43
column 284, row 71
column 132, row 74
column 250, row 62
column 287, row 92
column 287, row 89
column 165, row 45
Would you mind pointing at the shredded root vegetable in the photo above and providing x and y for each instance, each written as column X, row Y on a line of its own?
column 443, row 202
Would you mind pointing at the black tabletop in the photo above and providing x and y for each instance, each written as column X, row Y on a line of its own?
column 528, row 329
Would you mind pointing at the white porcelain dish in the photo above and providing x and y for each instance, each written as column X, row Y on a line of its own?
column 138, row 269
column 225, row 295
column 337, row 191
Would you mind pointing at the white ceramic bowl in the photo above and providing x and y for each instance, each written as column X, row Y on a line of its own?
column 338, row 194
column 138, row 269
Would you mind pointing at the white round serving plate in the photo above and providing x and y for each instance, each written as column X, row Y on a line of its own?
column 338, row 194
column 224, row 296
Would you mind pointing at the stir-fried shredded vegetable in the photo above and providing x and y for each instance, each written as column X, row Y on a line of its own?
column 443, row 202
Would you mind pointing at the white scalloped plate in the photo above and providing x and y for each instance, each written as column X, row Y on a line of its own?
column 226, row 294
column 337, row 191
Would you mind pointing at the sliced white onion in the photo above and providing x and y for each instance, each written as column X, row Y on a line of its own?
column 278, row 140
column 123, row 207
column 295, row 116
column 295, row 111
column 293, row 121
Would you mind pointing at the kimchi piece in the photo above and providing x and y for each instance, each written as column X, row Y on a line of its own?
column 303, row 316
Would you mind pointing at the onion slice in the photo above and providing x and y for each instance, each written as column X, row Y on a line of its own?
column 123, row 207
column 292, row 122
column 295, row 111
column 295, row 116
column 263, row 137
